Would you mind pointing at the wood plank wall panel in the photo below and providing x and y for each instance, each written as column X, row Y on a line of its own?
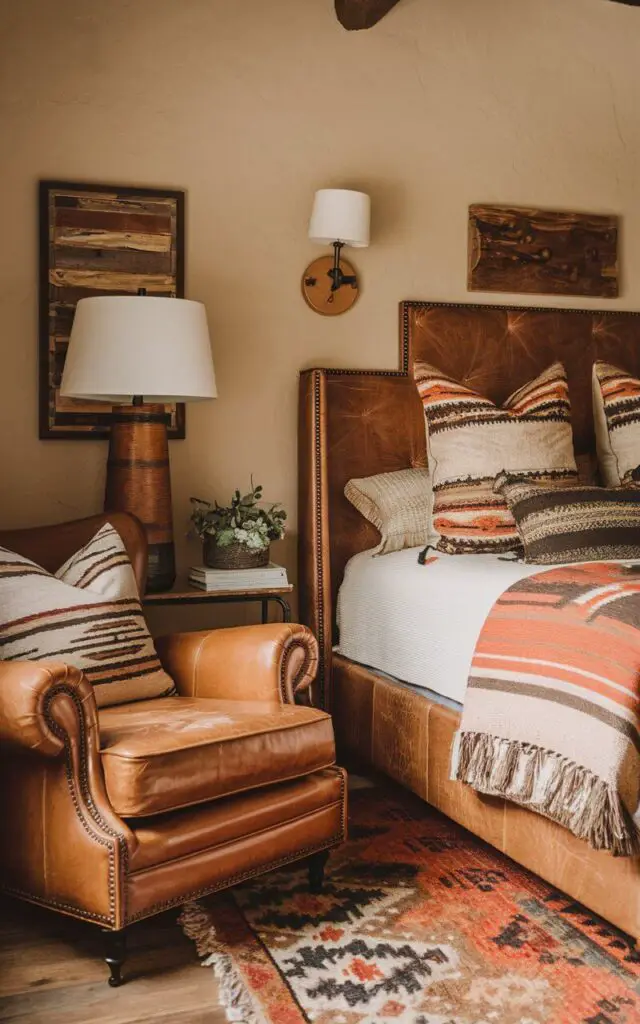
column 100, row 240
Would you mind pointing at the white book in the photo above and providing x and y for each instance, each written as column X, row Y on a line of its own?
column 234, row 584
column 272, row 573
column 256, row 588
column 268, row 577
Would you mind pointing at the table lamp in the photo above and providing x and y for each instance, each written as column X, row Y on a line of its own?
column 139, row 352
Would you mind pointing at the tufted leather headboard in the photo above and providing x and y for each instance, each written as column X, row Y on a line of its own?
column 355, row 423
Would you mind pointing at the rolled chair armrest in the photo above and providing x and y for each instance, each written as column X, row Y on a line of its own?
column 274, row 662
column 48, row 710
column 34, row 698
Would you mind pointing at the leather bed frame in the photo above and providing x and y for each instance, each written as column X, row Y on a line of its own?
column 355, row 423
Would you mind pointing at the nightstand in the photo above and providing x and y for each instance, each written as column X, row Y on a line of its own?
column 184, row 594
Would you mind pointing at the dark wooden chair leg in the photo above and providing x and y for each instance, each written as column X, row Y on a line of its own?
column 317, row 865
column 115, row 955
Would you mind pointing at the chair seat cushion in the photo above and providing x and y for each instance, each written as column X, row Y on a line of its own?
column 173, row 752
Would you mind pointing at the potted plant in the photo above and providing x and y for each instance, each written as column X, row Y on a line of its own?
column 237, row 536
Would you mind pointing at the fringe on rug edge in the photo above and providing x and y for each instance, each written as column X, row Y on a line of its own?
column 510, row 769
column 235, row 996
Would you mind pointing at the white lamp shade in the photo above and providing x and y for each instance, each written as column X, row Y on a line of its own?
column 340, row 215
column 126, row 345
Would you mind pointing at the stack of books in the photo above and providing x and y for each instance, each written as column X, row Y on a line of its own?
column 271, row 577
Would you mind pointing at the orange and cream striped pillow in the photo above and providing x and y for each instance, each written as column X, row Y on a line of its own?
column 87, row 615
column 470, row 440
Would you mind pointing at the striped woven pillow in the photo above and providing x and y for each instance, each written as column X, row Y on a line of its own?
column 470, row 440
column 616, row 414
column 87, row 615
column 574, row 524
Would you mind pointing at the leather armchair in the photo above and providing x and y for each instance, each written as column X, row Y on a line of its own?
column 114, row 814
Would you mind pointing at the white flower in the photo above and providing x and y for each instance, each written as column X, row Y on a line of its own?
column 240, row 534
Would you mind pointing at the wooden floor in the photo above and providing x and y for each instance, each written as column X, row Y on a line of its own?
column 51, row 972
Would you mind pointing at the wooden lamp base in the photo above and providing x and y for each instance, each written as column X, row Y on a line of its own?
column 139, row 481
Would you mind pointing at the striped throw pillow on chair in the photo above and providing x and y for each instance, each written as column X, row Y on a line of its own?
column 88, row 615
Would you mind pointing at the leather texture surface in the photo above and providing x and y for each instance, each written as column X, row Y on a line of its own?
column 217, row 867
column 273, row 662
column 401, row 732
column 65, row 846
column 172, row 752
column 167, row 837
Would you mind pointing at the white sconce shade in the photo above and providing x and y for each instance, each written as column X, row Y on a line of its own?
column 340, row 215
column 126, row 345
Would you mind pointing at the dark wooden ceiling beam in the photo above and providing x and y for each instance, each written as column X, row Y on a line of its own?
column 357, row 14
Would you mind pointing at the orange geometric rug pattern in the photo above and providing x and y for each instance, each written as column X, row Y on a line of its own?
column 419, row 923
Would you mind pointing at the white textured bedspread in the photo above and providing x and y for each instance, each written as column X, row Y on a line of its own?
column 420, row 623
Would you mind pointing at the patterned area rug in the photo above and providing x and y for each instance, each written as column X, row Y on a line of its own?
column 420, row 923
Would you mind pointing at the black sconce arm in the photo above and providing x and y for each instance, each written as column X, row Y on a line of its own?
column 338, row 278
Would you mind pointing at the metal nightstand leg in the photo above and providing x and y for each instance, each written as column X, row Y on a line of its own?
column 285, row 606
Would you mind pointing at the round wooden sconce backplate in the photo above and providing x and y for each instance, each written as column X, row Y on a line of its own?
column 316, row 287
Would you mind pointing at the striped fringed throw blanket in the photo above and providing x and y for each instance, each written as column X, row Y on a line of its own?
column 550, row 718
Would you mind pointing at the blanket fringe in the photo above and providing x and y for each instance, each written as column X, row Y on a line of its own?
column 235, row 997
column 547, row 783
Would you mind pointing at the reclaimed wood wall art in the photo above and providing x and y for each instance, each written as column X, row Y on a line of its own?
column 516, row 249
column 100, row 240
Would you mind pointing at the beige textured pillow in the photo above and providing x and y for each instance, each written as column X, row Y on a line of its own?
column 616, row 415
column 398, row 504
column 87, row 615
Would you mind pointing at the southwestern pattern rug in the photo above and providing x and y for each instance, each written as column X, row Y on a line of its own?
column 419, row 923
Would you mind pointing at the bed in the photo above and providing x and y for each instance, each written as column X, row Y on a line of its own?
column 356, row 423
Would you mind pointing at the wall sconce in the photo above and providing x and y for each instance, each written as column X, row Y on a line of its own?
column 339, row 217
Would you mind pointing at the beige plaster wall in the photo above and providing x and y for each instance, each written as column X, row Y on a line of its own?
column 250, row 105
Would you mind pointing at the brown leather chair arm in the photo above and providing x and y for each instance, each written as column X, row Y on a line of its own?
column 34, row 704
column 69, row 849
column 270, row 663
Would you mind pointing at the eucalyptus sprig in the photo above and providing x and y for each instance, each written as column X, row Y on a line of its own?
column 244, row 521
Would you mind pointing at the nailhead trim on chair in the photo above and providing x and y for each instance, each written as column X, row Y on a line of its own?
column 241, row 876
column 157, row 908
column 79, row 912
column 285, row 665
column 120, row 840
